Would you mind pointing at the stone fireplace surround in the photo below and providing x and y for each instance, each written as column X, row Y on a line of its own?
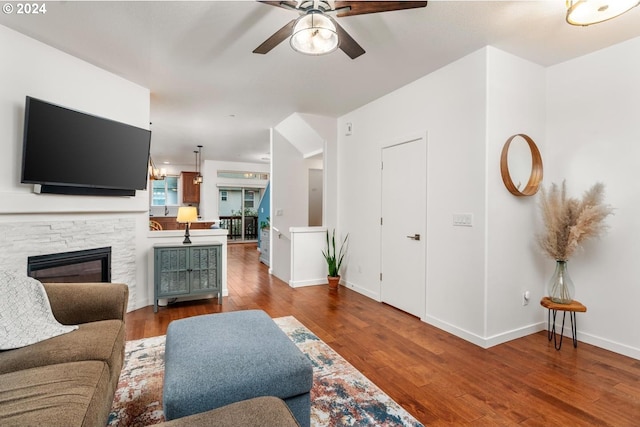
column 20, row 240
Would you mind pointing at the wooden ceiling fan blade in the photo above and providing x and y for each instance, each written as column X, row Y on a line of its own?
column 363, row 7
column 347, row 44
column 275, row 39
column 282, row 4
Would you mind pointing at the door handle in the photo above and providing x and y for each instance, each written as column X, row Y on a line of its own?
column 414, row 237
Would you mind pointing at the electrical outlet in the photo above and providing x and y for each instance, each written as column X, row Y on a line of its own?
column 525, row 297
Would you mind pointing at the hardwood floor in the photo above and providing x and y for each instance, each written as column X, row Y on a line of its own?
column 437, row 377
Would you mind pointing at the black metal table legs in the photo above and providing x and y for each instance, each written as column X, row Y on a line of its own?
column 551, row 328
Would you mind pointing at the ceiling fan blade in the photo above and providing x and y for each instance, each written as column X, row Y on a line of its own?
column 363, row 7
column 347, row 44
column 283, row 4
column 275, row 39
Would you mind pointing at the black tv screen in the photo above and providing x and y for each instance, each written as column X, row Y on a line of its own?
column 66, row 148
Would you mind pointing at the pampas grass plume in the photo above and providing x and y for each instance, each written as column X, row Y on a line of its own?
column 569, row 221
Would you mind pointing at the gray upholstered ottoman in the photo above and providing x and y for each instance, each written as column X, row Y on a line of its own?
column 217, row 359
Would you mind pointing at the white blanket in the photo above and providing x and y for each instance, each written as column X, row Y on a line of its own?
column 25, row 312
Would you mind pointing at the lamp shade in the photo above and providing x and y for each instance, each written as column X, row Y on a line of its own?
column 187, row 214
column 587, row 12
column 314, row 34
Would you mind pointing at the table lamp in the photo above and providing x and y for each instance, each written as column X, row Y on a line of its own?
column 187, row 215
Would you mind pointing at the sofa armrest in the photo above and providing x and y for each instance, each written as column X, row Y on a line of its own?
column 265, row 411
column 75, row 303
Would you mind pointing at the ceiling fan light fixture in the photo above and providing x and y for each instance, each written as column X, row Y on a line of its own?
column 314, row 33
column 588, row 12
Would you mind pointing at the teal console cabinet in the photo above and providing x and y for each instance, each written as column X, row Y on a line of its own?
column 181, row 271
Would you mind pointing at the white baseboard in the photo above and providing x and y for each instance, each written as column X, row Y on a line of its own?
column 486, row 342
column 515, row 334
column 308, row 282
column 604, row 343
column 366, row 292
column 459, row 332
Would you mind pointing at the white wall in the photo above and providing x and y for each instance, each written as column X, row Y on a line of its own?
column 515, row 104
column 316, row 181
column 290, row 183
column 326, row 127
column 289, row 206
column 35, row 69
column 315, row 138
column 582, row 115
column 449, row 105
column 32, row 68
column 593, row 135
column 301, row 134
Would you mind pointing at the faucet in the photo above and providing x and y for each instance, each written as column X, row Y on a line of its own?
column 166, row 210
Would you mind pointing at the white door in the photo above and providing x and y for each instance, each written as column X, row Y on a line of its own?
column 404, row 206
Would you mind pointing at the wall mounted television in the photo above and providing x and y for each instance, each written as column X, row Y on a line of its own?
column 70, row 152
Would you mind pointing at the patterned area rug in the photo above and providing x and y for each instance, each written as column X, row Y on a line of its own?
column 341, row 395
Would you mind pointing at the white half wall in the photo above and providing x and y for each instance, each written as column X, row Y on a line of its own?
column 308, row 266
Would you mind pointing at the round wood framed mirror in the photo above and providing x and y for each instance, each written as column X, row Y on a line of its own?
column 520, row 162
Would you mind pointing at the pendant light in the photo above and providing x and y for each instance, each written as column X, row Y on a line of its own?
column 198, row 179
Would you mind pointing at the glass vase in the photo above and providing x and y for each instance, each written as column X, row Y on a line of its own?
column 560, row 288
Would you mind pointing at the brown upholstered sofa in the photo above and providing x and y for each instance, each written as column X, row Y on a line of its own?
column 70, row 380
column 267, row 411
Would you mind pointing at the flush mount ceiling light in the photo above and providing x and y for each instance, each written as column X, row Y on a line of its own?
column 587, row 12
column 314, row 33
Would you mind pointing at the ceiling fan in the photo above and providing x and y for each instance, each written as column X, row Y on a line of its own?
column 314, row 32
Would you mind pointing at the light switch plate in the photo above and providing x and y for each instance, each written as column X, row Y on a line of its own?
column 463, row 219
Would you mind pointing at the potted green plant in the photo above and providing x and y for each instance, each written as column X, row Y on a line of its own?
column 265, row 224
column 334, row 259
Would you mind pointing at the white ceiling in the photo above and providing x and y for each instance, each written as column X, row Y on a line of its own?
column 208, row 88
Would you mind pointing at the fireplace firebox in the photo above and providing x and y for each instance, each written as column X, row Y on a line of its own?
column 90, row 265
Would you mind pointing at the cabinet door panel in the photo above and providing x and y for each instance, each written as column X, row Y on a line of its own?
column 172, row 271
column 204, row 265
column 190, row 191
